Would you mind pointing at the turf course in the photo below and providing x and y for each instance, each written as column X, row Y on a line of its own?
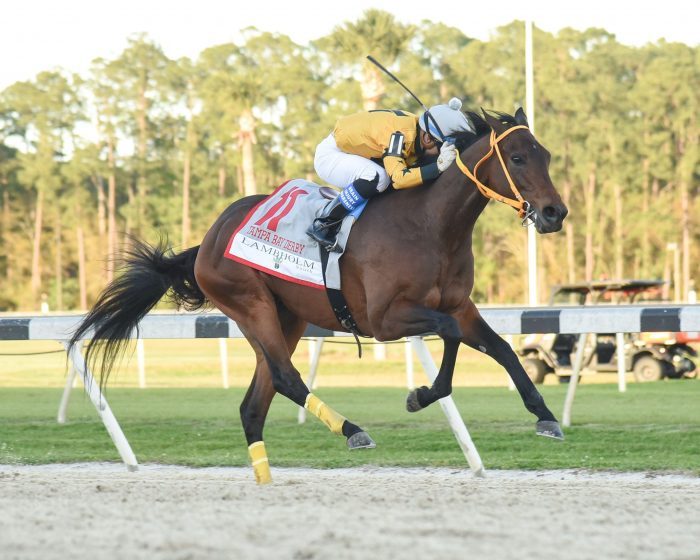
column 652, row 427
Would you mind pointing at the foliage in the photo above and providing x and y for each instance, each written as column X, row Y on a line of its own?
column 147, row 144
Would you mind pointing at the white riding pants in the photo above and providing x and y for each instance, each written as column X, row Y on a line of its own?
column 340, row 169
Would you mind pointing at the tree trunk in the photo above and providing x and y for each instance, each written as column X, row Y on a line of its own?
column 687, row 163
column 36, row 245
column 645, row 243
column 111, row 211
column 58, row 272
column 247, row 139
column 618, row 230
column 9, row 270
column 666, row 288
column 82, row 277
column 569, row 234
column 186, row 172
column 372, row 87
column 619, row 233
column 141, row 188
column 101, row 218
column 131, row 201
column 589, row 195
column 685, row 238
column 249, row 186
column 101, row 207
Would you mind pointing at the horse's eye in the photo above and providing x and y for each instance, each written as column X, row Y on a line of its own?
column 517, row 160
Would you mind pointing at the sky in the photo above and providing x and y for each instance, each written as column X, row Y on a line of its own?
column 37, row 35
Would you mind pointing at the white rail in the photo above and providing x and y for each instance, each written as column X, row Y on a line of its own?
column 509, row 321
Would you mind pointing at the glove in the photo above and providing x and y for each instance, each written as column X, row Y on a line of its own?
column 448, row 153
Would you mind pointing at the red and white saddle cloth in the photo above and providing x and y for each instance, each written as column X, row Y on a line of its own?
column 272, row 237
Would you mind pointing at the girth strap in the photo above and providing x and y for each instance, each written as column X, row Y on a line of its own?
column 340, row 305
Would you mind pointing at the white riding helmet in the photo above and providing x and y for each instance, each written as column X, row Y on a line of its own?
column 449, row 120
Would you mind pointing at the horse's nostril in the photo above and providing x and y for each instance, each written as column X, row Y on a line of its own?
column 550, row 213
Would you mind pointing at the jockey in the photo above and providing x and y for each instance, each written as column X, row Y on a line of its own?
column 368, row 151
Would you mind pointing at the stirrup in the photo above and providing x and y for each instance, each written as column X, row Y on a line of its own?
column 330, row 245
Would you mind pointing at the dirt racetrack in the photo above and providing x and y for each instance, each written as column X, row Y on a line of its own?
column 101, row 511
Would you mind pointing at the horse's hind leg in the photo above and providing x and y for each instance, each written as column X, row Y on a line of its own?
column 480, row 336
column 254, row 408
column 274, row 338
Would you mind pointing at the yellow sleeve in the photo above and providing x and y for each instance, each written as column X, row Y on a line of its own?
column 404, row 177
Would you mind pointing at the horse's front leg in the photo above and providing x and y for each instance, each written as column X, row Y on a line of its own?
column 480, row 336
column 416, row 320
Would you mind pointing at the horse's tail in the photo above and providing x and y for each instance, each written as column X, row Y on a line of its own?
column 146, row 275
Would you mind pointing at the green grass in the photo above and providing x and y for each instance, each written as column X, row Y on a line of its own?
column 652, row 427
column 195, row 363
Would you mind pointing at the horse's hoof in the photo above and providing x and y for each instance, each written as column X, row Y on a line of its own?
column 550, row 429
column 361, row 440
column 412, row 404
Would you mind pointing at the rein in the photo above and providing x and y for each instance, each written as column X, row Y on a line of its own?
column 519, row 203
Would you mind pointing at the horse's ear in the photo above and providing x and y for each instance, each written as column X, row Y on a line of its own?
column 496, row 125
column 521, row 117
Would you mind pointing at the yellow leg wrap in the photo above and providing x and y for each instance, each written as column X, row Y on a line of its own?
column 261, row 466
column 324, row 413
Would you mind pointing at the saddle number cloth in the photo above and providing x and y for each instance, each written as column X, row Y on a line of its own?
column 272, row 238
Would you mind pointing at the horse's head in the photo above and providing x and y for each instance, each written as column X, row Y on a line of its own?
column 516, row 171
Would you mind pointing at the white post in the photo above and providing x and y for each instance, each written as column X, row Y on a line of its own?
column 450, row 409
column 315, row 347
column 408, row 352
column 63, row 406
column 100, row 403
column 141, row 362
column 578, row 362
column 223, row 357
column 621, row 366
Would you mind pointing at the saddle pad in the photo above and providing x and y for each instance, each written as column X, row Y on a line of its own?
column 272, row 238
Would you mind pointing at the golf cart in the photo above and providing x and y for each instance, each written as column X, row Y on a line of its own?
column 650, row 356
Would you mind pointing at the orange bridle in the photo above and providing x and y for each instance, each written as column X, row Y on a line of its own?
column 519, row 203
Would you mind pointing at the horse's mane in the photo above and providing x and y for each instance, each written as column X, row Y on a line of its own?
column 466, row 138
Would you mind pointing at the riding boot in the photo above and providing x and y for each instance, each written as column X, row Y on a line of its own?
column 325, row 228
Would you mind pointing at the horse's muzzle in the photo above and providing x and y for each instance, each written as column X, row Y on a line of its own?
column 550, row 218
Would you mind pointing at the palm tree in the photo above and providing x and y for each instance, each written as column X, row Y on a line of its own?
column 241, row 83
column 377, row 33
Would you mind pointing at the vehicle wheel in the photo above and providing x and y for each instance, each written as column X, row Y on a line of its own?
column 536, row 369
column 648, row 369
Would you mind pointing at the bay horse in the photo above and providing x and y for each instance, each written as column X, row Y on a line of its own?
column 408, row 270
